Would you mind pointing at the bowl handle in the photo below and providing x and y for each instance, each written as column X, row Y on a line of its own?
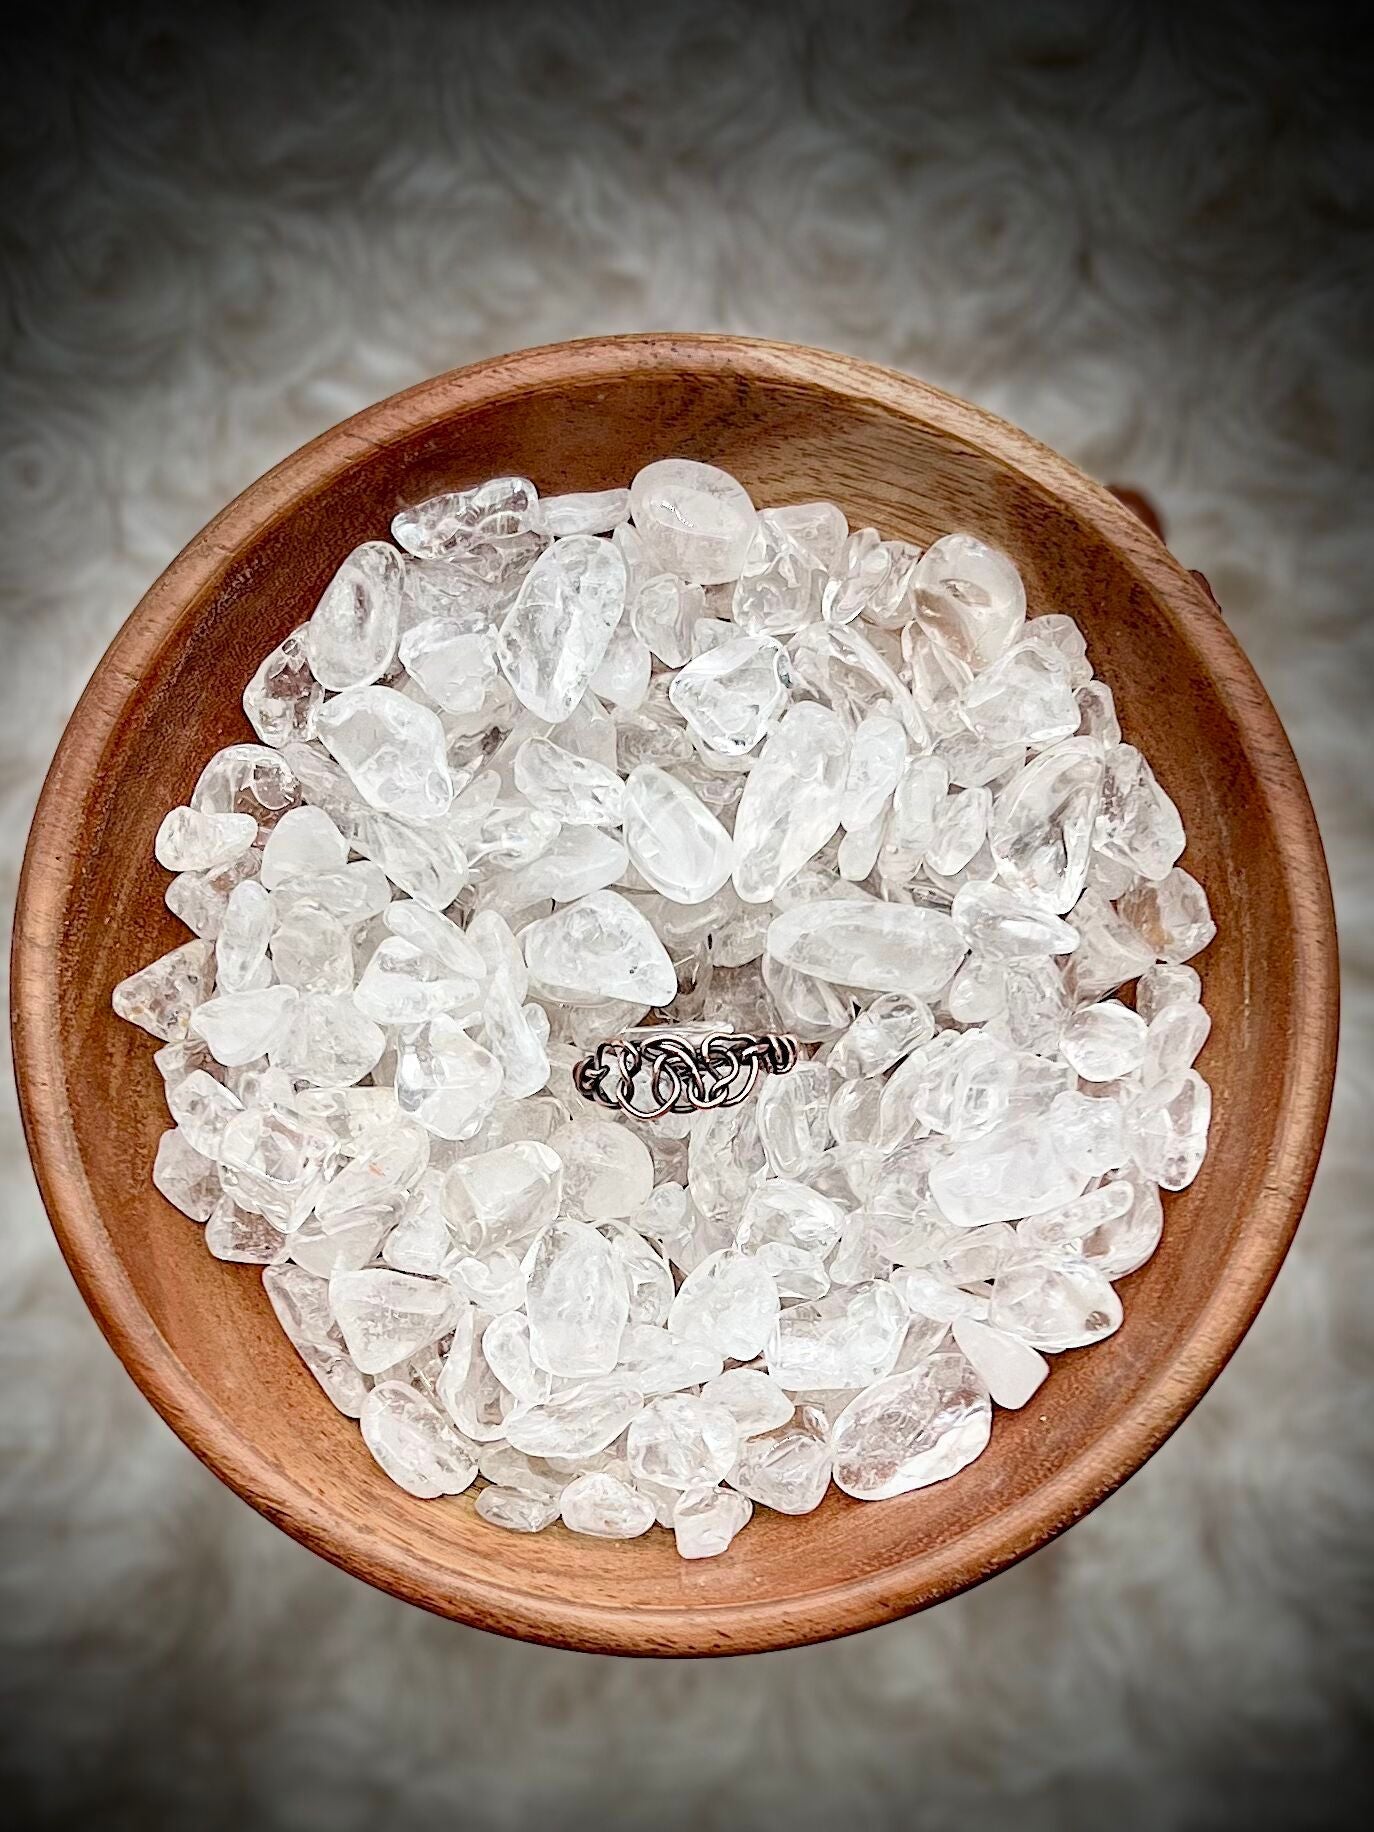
column 1145, row 507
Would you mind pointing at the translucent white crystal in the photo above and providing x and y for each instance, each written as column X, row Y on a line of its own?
column 584, row 512
column 311, row 949
column 1104, row 1042
column 682, row 1441
column 499, row 1197
column 791, row 802
column 326, row 1041
column 1042, row 824
column 600, row 947
column 793, row 1116
column 1054, row 1306
column 791, row 1214
column 283, row 697
column 578, row 790
column 506, row 1345
column 729, row 1303
column 1165, row 984
column 754, row 1400
column 403, row 984
column 1010, row 1369
column 386, row 1316
column 516, row 1512
column 876, row 765
column 414, row 1443
column 787, row 566
column 392, row 748
column 577, row 1300
column 883, row 947
column 487, row 530
column 1024, row 697
column 1171, row 1135
column 889, row 1028
column 602, row 1505
column 304, row 843
column 696, row 520
column 275, row 1164
column 241, row 1237
column 445, row 1079
column 912, row 1429
column 161, row 997
column 350, row 895
column 452, row 661
column 185, row 1176
column 607, row 1170
column 577, row 1420
column 674, row 841
column 787, row 1470
column 656, row 1362
column 663, row 615
column 245, row 929
column 1171, row 916
column 351, row 636
column 202, row 1107
column 1172, row 1042
column 1137, row 824
column 237, row 1027
column 189, row 840
column 1004, row 926
column 1014, row 1171
column 622, row 678
column 468, row 1390
column 706, row 1519
column 731, row 694
column 969, row 597
column 247, row 779
column 554, row 636
column 846, row 1339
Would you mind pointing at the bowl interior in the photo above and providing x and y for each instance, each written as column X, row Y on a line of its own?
column 199, row 1335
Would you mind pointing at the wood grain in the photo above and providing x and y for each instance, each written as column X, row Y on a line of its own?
column 198, row 1336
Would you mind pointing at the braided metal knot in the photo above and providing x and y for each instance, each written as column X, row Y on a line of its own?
column 651, row 1071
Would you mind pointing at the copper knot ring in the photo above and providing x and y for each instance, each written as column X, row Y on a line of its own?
column 650, row 1072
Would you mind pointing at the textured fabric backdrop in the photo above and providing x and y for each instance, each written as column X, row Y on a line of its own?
column 221, row 233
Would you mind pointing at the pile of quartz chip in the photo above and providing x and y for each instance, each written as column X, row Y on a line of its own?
column 549, row 768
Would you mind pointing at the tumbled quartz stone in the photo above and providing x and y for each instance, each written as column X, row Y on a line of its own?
column 311, row 949
column 392, row 748
column 199, row 899
column 961, row 825
column 753, row 1399
column 876, row 765
column 1137, row 825
column 1010, row 1369
column 656, row 1362
column 1165, row 984
column 674, row 841
column 304, row 843
column 782, row 1212
column 350, row 639
column 682, row 1441
column 791, row 802
column 498, row 1197
column 1104, row 1042
column 403, row 984
column 485, row 529
column 502, row 1507
column 275, row 1164
column 577, row 1300
column 912, row 1429
column 969, row 598
column 847, row 1339
column 468, row 1390
column 238, row 1027
column 578, row 1419
column 186, row 1177
column 161, row 997
column 241, row 1237
column 881, row 947
column 202, row 1107
column 1002, row 926
column 283, row 697
column 729, row 1302
column 1172, row 1042
column 555, row 635
column 414, row 1443
column 706, row 1519
column 1042, row 824
column 663, row 615
column 1054, row 1306
column 386, row 1316
column 453, row 663
column 793, row 1116
column 1024, row 697
column 1014, row 1171
column 189, row 840
column 506, row 1345
column 326, row 1041
column 648, row 1279
column 444, row 1079
column 787, row 565
column 584, row 512
column 247, row 779
column 600, row 947
column 1171, row 1135
column 1172, row 916
column 602, row 1505
column 889, row 1028
column 244, row 932
column 731, row 694
column 578, row 791
column 607, row 1170
column 788, row 1469
column 696, row 520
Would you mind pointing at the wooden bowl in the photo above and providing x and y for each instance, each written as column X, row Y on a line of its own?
column 198, row 1336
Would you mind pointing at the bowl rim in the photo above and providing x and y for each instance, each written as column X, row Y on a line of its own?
column 856, row 1603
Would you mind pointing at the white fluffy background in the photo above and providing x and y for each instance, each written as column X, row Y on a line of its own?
column 1150, row 248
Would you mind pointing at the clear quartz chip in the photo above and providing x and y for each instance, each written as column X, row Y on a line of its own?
column 414, row 1443
column 1055, row 1306
column 729, row 1303
column 499, row 1197
column 600, row 947
column 604, row 1506
column 161, row 997
column 579, row 1419
column 244, row 932
column 189, row 840
column 880, row 947
column 1010, row 1369
column 753, row 1399
column 578, row 791
column 238, row 1027
column 448, row 1082
column 1104, row 1042
column 386, row 1316
column 912, row 1429
column 305, row 843
column 788, row 1469
column 792, row 801
column 555, row 635
column 452, row 661
column 393, row 750
column 283, row 697
column 682, row 1441
column 247, row 779
column 1172, row 916
column 731, row 694
column 695, row 520
column 1042, row 824
column 674, row 841
column 845, row 1340
column 577, row 1299
column 706, row 1520
column 607, row 1170
column 969, row 598
column 185, row 1176
column 350, row 639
